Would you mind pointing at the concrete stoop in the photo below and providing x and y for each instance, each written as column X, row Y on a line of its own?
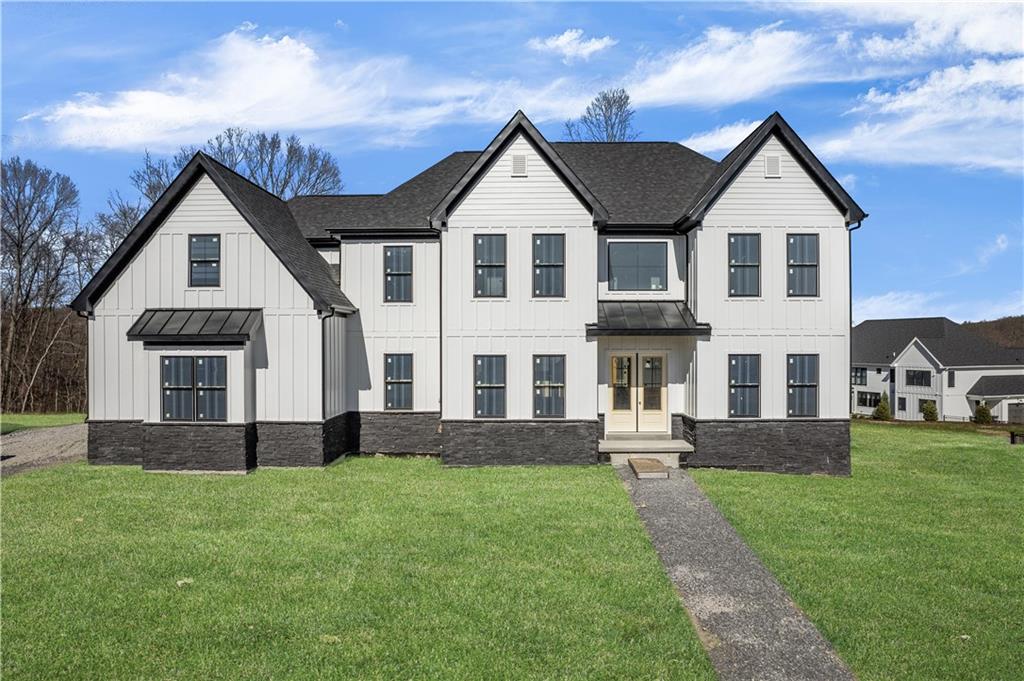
column 667, row 451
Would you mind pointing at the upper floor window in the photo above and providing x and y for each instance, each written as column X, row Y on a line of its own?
column 802, row 264
column 637, row 266
column 194, row 388
column 744, row 385
column 951, row 379
column 744, row 265
column 398, row 274
column 919, row 377
column 489, row 386
column 398, row 382
column 549, row 386
column 859, row 375
column 204, row 260
column 549, row 265
column 802, row 385
column 489, row 260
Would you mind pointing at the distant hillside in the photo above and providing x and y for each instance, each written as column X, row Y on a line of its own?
column 1008, row 331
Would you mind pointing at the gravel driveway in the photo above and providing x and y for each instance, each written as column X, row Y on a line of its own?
column 32, row 448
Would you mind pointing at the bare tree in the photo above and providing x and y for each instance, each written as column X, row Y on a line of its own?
column 110, row 227
column 608, row 118
column 285, row 167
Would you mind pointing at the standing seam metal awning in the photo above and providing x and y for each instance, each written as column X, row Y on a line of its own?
column 645, row 318
column 220, row 325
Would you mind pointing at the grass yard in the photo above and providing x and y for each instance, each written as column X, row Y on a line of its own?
column 914, row 567
column 373, row 568
column 12, row 422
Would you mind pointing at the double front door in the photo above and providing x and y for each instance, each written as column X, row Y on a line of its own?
column 638, row 393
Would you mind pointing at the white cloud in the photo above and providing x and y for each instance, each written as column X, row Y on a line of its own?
column 848, row 182
column 933, row 28
column 896, row 304
column 571, row 45
column 285, row 83
column 983, row 255
column 722, row 138
column 727, row 66
column 247, row 26
column 338, row 23
column 962, row 116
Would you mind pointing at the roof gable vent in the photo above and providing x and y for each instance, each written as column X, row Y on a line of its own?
column 772, row 165
column 518, row 165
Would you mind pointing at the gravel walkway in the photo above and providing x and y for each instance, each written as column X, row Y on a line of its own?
column 32, row 448
column 746, row 620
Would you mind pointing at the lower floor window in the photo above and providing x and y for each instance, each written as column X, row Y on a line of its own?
column 802, row 385
column 194, row 388
column 549, row 386
column 901, row 403
column 398, row 381
column 489, row 386
column 866, row 399
column 744, row 385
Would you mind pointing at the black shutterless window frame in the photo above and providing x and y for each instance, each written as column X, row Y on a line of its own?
column 794, row 265
column 542, row 265
column 195, row 387
column 738, row 264
column 394, row 272
column 661, row 245
column 483, row 265
column 204, row 259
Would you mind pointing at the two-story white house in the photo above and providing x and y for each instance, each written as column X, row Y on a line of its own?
column 533, row 302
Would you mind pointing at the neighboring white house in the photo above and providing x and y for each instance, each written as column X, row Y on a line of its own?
column 934, row 359
column 534, row 302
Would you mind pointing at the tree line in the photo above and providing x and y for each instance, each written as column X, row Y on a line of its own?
column 48, row 252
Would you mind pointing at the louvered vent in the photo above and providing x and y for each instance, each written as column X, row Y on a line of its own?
column 518, row 165
column 772, row 165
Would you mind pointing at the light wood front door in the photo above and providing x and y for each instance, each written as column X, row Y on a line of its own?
column 652, row 394
column 637, row 393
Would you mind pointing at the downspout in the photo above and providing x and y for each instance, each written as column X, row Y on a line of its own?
column 849, row 331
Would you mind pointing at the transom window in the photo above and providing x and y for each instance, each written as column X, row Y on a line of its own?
column 802, row 265
column 859, row 375
column 744, row 385
column 204, row 260
column 489, row 260
column 802, row 385
column 919, row 377
column 637, row 266
column 398, row 274
column 744, row 265
column 549, row 265
column 397, row 382
column 549, row 386
column 489, row 386
column 194, row 388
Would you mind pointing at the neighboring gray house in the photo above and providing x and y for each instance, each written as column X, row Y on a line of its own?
column 934, row 359
column 533, row 302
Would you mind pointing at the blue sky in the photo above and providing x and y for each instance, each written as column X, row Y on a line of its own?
column 918, row 109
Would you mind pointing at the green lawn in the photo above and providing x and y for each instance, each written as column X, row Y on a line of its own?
column 372, row 568
column 914, row 566
column 12, row 422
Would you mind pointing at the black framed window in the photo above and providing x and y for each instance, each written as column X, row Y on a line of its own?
column 802, row 385
column 919, row 377
column 549, row 265
column 859, row 375
column 802, row 264
column 489, row 386
column 868, row 399
column 549, row 386
column 194, row 388
column 637, row 266
column 744, row 386
column 204, row 260
column 397, row 382
column 901, row 403
column 398, row 274
column 489, row 261
column 744, row 265
column 951, row 379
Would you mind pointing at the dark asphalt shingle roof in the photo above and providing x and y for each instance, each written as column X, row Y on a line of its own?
column 206, row 324
column 998, row 386
column 651, row 318
column 879, row 341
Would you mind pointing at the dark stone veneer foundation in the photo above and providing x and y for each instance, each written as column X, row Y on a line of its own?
column 784, row 446
column 483, row 443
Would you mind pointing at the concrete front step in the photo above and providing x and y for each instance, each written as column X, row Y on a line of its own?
column 668, row 452
column 645, row 468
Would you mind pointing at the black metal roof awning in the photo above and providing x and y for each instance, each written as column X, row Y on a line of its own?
column 645, row 318
column 220, row 325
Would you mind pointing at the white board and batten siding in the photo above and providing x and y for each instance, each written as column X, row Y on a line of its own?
column 124, row 381
column 773, row 324
column 519, row 325
column 381, row 328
